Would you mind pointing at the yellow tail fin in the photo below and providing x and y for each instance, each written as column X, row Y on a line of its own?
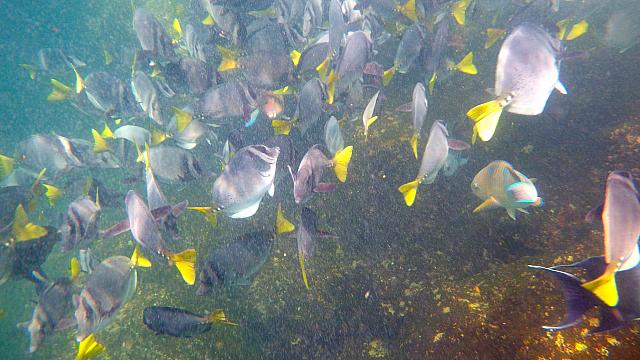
column 388, row 75
column 492, row 36
column 228, row 61
column 158, row 136
column 285, row 90
column 218, row 317
column 107, row 133
column 79, row 81
column 207, row 212
column 74, row 269
column 282, row 224
column 22, row 229
column 295, row 57
column 414, row 144
column 100, row 144
column 183, row 119
column 604, row 287
column 302, row 269
column 186, row 263
column 331, row 86
column 323, row 67
column 409, row 191
column 30, row 69
column 208, row 21
column 6, row 166
column 486, row 117
column 139, row 260
column 466, row 65
column 578, row 30
column 52, row 193
column 432, row 82
column 408, row 10
column 177, row 27
column 281, row 127
column 459, row 9
column 341, row 162
column 89, row 348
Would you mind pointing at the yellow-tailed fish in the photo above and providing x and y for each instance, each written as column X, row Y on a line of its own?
column 22, row 229
column 459, row 9
column 281, row 127
column 493, row 35
column 52, row 193
column 283, row 225
column 408, row 10
column 89, row 348
column 465, row 65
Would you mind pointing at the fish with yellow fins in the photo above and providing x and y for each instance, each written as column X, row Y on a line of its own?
column 500, row 185
column 611, row 281
column 527, row 71
column 433, row 159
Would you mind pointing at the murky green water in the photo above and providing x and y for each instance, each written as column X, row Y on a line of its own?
column 429, row 281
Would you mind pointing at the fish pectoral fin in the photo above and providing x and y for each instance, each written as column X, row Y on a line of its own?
column 186, row 263
column 246, row 212
column 560, row 87
column 409, row 191
column 511, row 213
column 341, row 163
column 388, row 75
column 218, row 316
column 486, row 118
column 523, row 210
column 604, row 288
column 324, row 187
column 272, row 189
column 490, row 203
column 89, row 348
column 594, row 214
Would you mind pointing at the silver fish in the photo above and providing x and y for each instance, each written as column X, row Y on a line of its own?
column 308, row 179
column 146, row 95
column 153, row 38
column 249, row 175
column 80, row 223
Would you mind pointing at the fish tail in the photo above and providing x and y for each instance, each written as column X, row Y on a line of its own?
column 341, row 163
column 302, row 269
column 432, row 82
column 208, row 213
column 295, row 57
column 59, row 91
column 208, row 21
column 578, row 30
column 409, row 191
column 79, row 80
column 22, row 229
column 283, row 225
column 100, row 144
column 139, row 260
column 186, row 263
column 466, row 65
column 6, row 166
column 604, row 288
column 408, row 10
column 281, row 127
column 331, row 86
column 74, row 269
column 183, row 119
column 89, row 348
column 492, row 36
column 158, row 136
column 52, row 193
column 229, row 59
column 459, row 9
column 486, row 117
column 414, row 144
column 323, row 67
column 107, row 133
column 177, row 27
column 218, row 316
column 388, row 75
column 578, row 300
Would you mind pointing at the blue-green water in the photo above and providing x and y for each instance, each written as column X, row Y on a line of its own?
column 433, row 280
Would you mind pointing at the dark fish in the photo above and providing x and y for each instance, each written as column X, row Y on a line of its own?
column 312, row 56
column 153, row 39
column 190, row 75
column 106, row 290
column 306, row 235
column 356, row 53
column 337, row 27
column 174, row 164
column 55, row 62
column 24, row 258
column 164, row 320
column 226, row 20
column 10, row 198
column 230, row 100
column 83, row 151
column 236, row 262
column 194, row 42
column 308, row 179
column 249, row 175
column 52, row 312
column 311, row 104
column 267, row 70
column 158, row 214
column 109, row 94
column 80, row 223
